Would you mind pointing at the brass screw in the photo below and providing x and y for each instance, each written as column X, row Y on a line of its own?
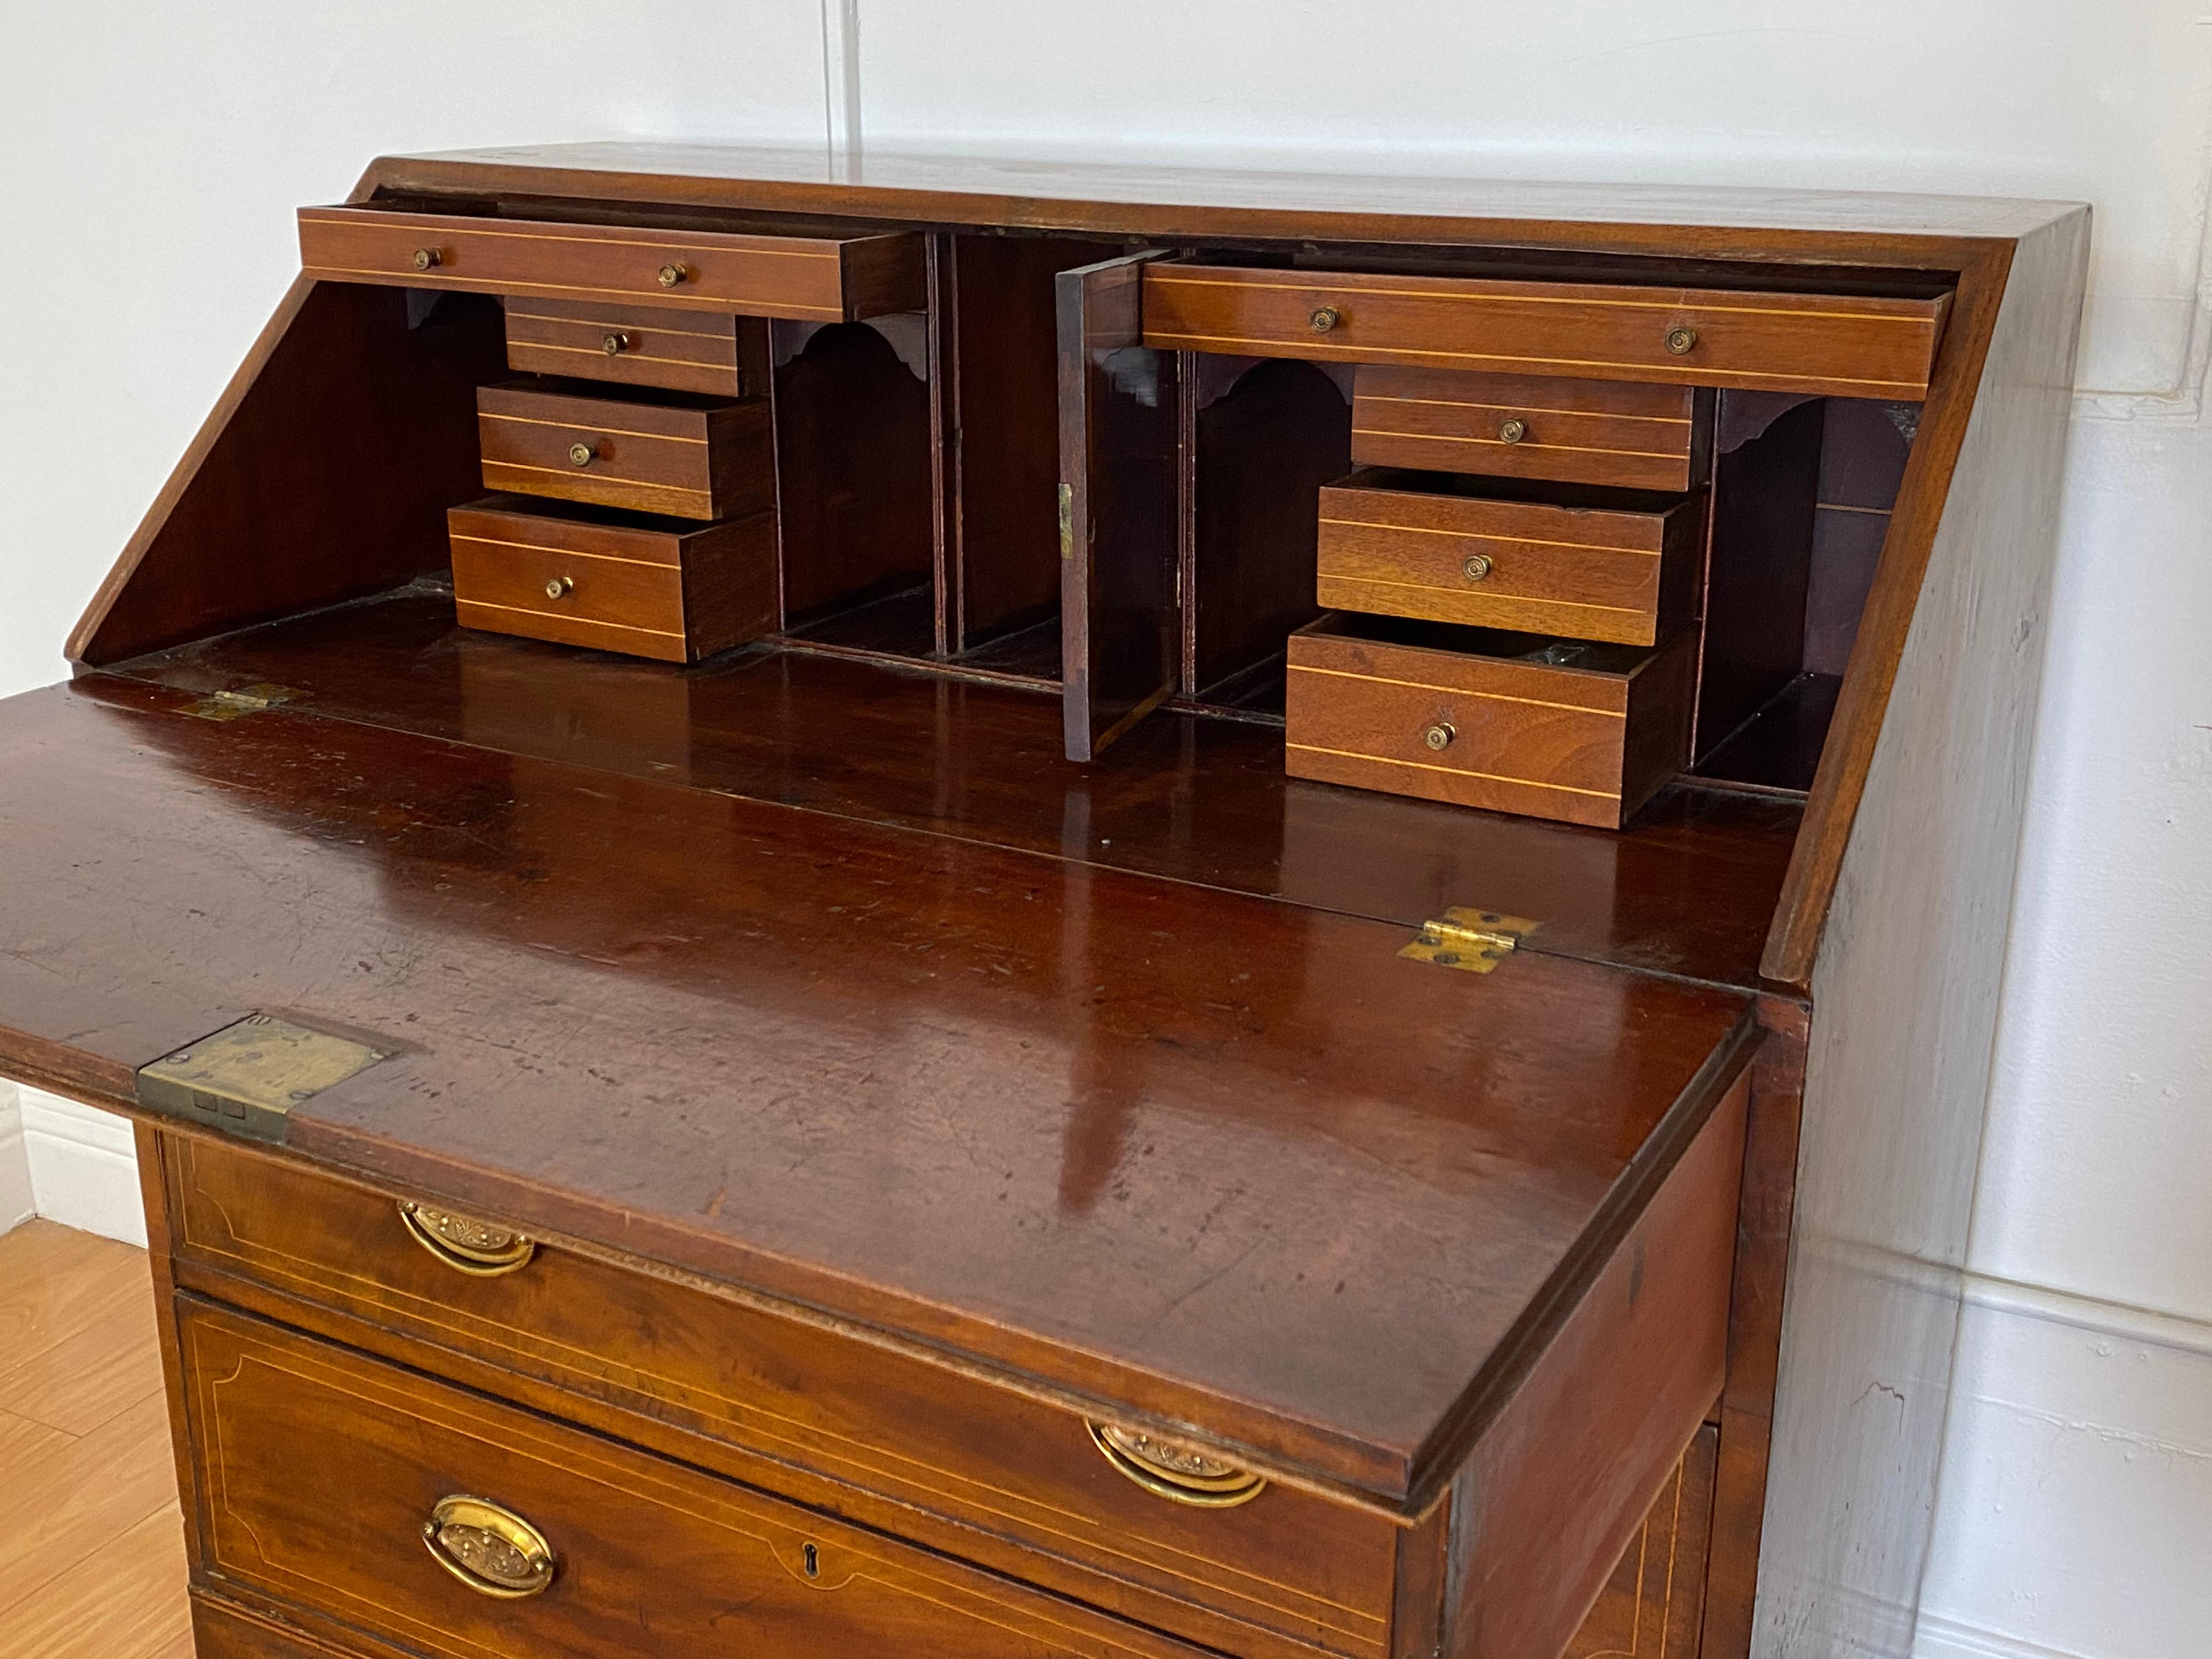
column 1512, row 431
column 428, row 257
column 559, row 588
column 581, row 454
column 1325, row 319
column 1682, row 341
column 672, row 274
column 1476, row 567
column 1439, row 736
column 614, row 344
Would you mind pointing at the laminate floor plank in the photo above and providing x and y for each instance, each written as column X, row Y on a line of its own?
column 93, row 1373
column 56, row 1282
column 124, row 1601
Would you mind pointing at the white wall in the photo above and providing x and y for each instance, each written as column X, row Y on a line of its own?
column 157, row 153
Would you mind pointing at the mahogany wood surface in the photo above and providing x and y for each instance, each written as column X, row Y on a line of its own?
column 1240, row 1203
column 1651, row 1607
column 712, row 460
column 1601, row 432
column 1587, row 565
column 721, row 354
column 224, row 1630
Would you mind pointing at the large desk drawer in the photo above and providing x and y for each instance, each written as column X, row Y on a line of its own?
column 1854, row 346
column 731, row 1385
column 810, row 278
column 434, row 1517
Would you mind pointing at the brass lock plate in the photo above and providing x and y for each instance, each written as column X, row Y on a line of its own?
column 1475, row 941
column 247, row 1077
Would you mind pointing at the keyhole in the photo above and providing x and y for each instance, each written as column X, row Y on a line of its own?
column 813, row 1563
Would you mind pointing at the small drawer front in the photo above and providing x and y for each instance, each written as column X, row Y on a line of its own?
column 1847, row 346
column 1584, row 733
column 705, row 461
column 444, row 1522
column 718, row 356
column 1013, row 1483
column 668, row 592
column 1652, row 1606
column 1520, row 426
column 808, row 278
column 1410, row 545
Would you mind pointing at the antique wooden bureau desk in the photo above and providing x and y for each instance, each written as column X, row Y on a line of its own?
column 985, row 910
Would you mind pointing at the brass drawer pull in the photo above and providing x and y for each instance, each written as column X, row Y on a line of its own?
column 494, row 1550
column 1512, row 431
column 1682, row 341
column 427, row 258
column 614, row 343
column 470, row 1247
column 560, row 588
column 1325, row 319
column 1476, row 567
column 1168, row 1469
column 582, row 454
column 1439, row 737
column 672, row 273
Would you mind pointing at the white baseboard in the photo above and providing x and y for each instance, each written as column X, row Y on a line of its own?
column 83, row 1166
column 16, row 1204
column 1948, row 1638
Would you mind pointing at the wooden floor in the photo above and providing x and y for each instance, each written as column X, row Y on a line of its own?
column 91, row 1554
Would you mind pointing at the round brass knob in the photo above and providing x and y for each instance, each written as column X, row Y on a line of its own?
column 488, row 1547
column 581, row 454
column 614, row 344
column 1477, row 568
column 560, row 588
column 672, row 274
column 1324, row 318
column 1512, row 431
column 1439, row 736
column 1682, row 341
column 427, row 258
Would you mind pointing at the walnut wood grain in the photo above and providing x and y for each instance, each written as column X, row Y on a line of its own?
column 1599, row 431
column 723, row 355
column 711, row 460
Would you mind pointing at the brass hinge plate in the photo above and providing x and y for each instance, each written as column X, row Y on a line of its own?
column 1475, row 940
column 247, row 1077
column 245, row 700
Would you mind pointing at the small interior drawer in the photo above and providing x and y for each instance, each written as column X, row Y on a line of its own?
column 1853, row 346
column 621, row 582
column 1513, row 722
column 1523, row 426
column 822, row 277
column 719, row 355
column 699, row 458
column 1609, row 565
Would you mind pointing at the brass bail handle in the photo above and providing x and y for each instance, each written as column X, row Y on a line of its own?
column 464, row 1244
column 488, row 1547
column 1170, row 1469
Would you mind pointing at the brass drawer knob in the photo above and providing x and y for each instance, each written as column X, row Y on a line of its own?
column 467, row 1245
column 581, row 454
column 492, row 1550
column 1512, row 431
column 1325, row 319
column 1477, row 568
column 1439, row 737
column 427, row 258
column 614, row 343
column 672, row 273
column 1170, row 1469
column 1682, row 341
column 560, row 588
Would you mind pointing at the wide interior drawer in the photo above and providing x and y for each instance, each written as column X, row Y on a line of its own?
column 693, row 459
column 1589, row 565
column 1512, row 722
column 432, row 1516
column 1853, row 346
column 586, row 576
column 720, row 355
column 825, row 278
column 1621, row 433
column 731, row 1386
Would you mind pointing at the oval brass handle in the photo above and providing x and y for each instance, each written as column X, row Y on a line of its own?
column 492, row 1550
column 560, row 588
column 1439, row 736
column 427, row 258
column 1181, row 1473
column 614, row 344
column 672, row 273
column 464, row 1244
column 1324, row 318
column 582, row 454
column 1477, row 568
column 1682, row 341
column 1512, row 431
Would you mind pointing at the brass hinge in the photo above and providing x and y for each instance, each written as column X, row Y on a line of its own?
column 1476, row 940
column 1066, row 522
column 247, row 1077
column 245, row 700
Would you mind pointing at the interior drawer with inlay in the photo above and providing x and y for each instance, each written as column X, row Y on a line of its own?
column 445, row 1522
column 1513, row 722
column 1852, row 346
column 627, row 582
column 721, row 354
column 823, row 276
column 1523, row 426
column 1611, row 565
column 692, row 459
column 878, row 1435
